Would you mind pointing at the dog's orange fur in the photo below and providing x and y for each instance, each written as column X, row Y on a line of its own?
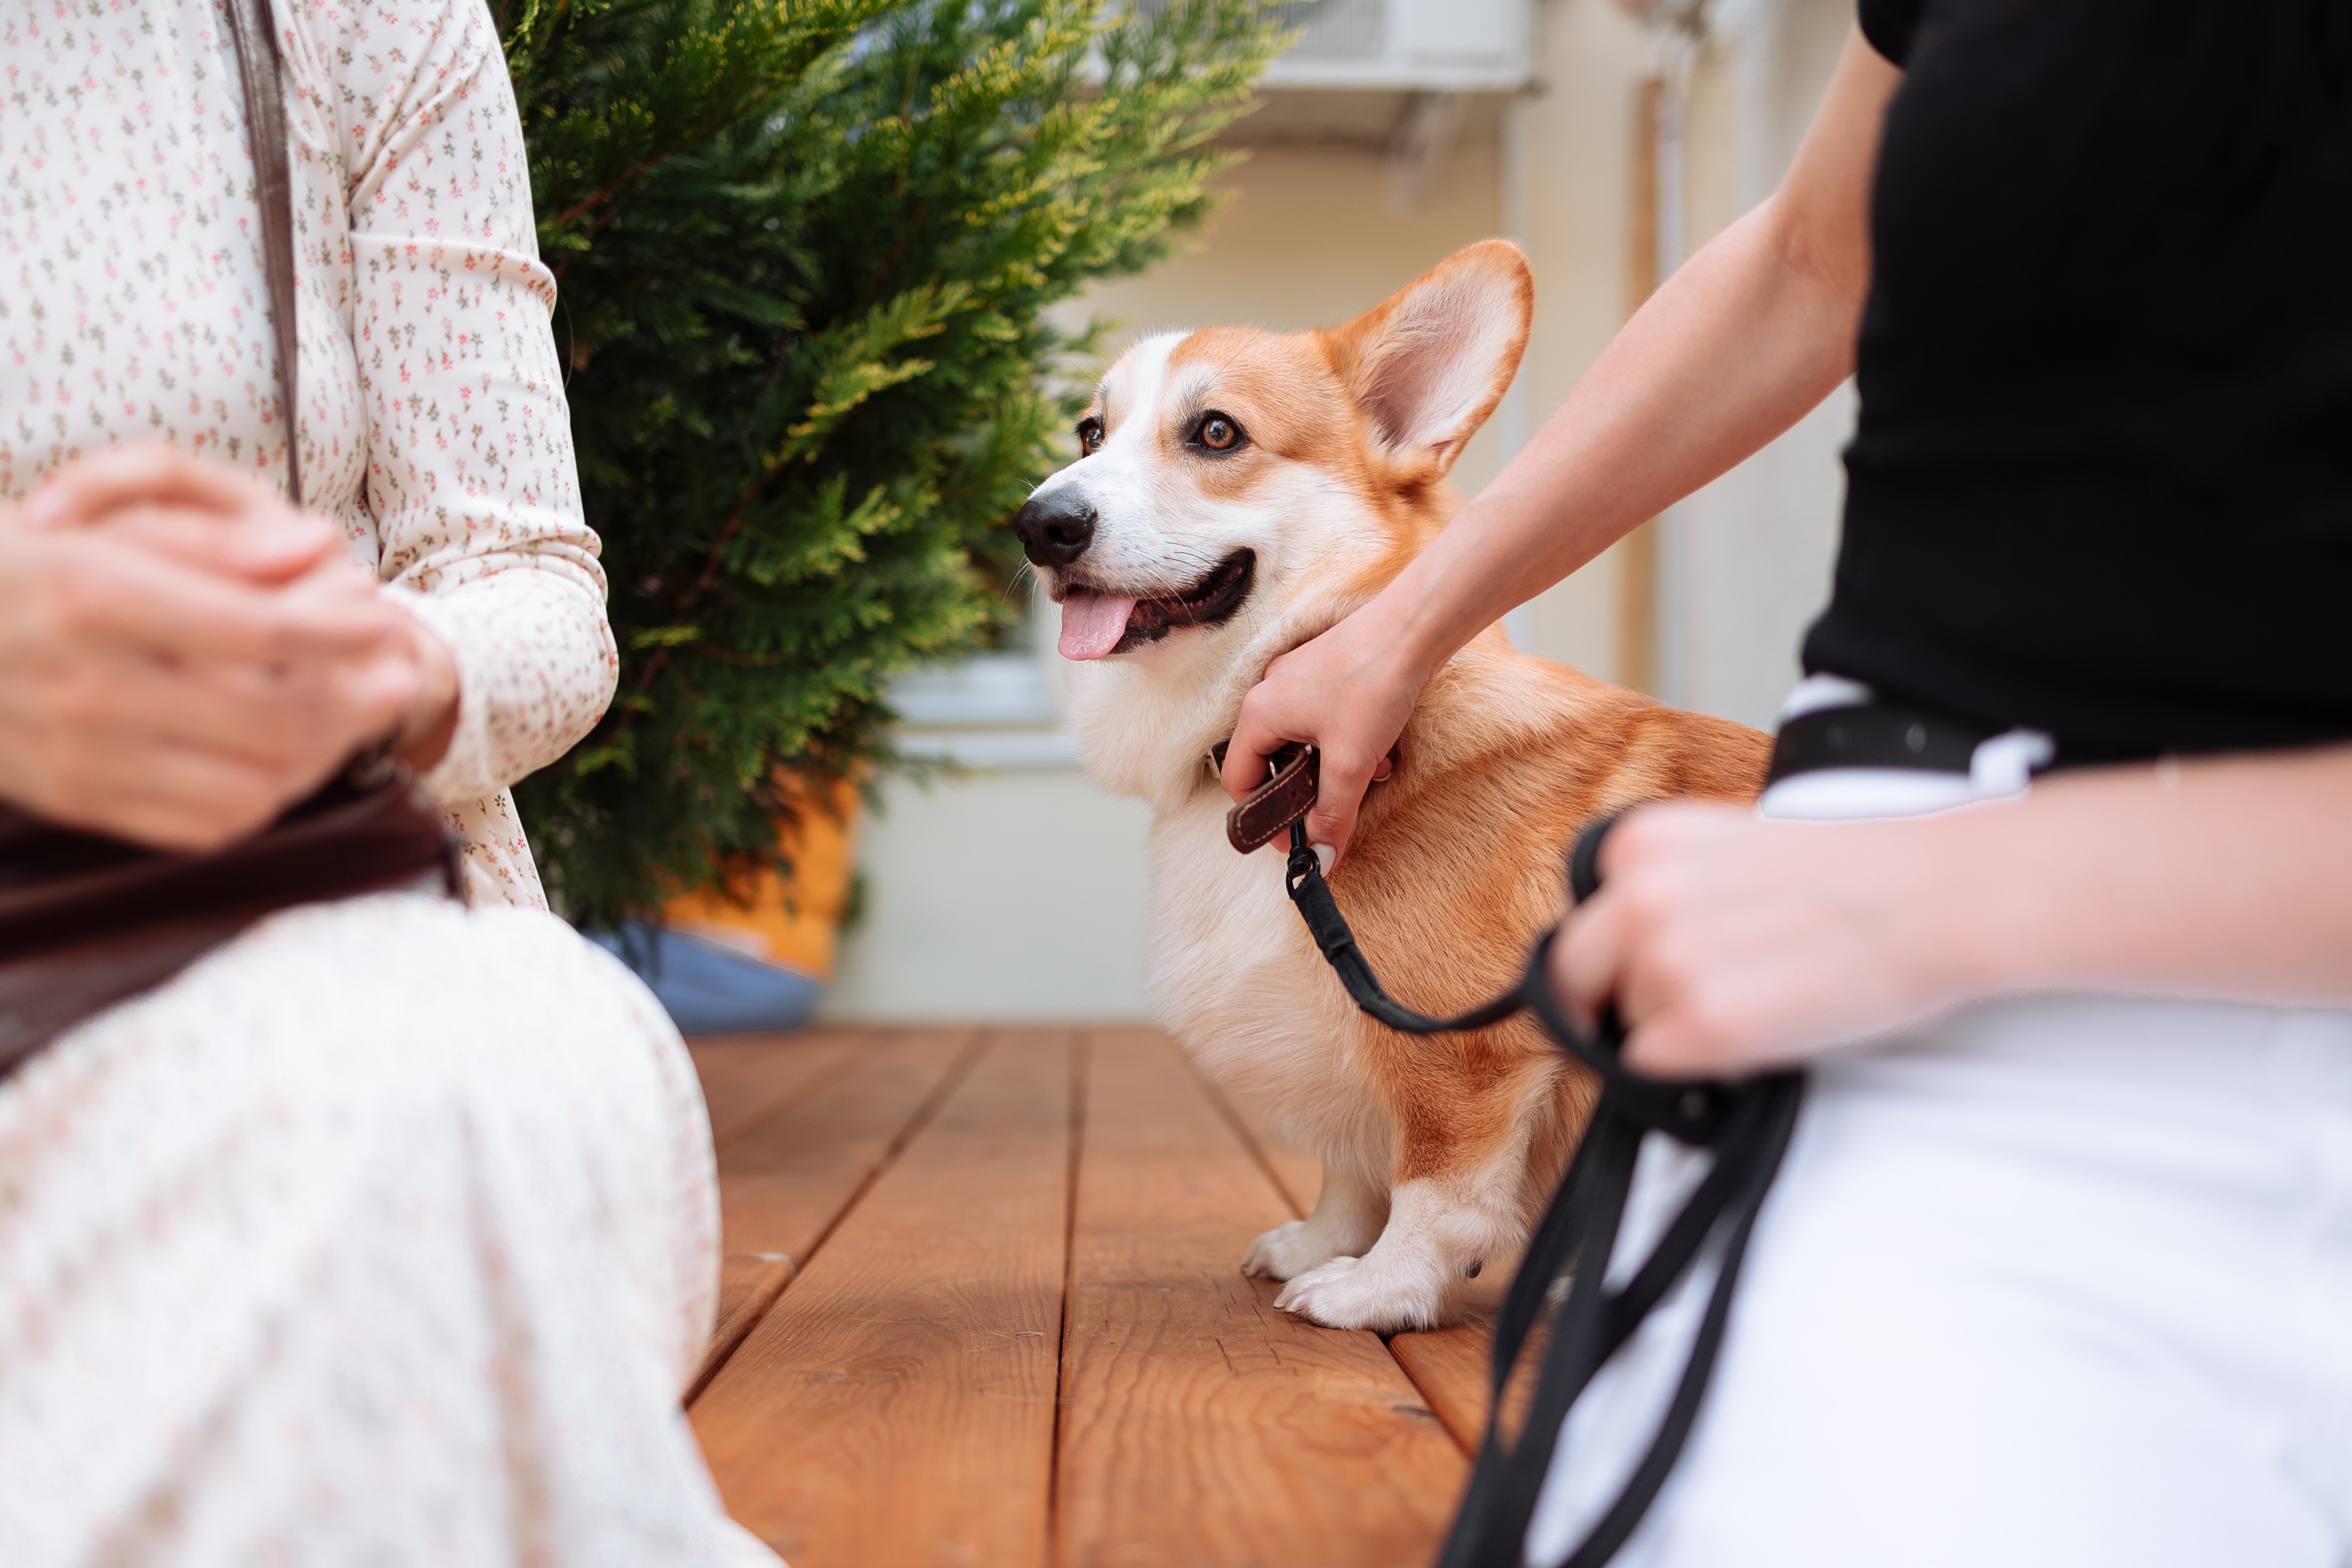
column 1457, row 862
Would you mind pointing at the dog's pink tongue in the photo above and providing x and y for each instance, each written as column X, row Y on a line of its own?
column 1093, row 623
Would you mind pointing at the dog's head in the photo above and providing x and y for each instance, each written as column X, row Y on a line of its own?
column 1237, row 491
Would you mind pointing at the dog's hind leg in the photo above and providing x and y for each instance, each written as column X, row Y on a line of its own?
column 1347, row 1216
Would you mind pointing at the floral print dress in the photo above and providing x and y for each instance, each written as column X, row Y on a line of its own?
column 433, row 427
column 386, row 1233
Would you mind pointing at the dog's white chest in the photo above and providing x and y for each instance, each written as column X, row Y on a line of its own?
column 1236, row 978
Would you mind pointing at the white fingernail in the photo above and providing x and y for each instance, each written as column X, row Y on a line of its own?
column 1324, row 856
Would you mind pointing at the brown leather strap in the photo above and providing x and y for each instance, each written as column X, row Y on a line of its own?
column 87, row 921
column 265, row 119
column 1274, row 806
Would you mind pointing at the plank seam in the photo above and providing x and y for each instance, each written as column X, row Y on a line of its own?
column 808, row 1089
column 1468, row 1441
column 1081, row 1048
column 950, row 1081
column 1232, row 1119
column 716, row 1356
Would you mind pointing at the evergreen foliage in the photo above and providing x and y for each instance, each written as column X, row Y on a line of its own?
column 803, row 249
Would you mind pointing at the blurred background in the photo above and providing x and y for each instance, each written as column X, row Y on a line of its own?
column 1609, row 139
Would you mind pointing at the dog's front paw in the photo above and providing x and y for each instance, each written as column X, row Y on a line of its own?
column 1289, row 1250
column 1355, row 1293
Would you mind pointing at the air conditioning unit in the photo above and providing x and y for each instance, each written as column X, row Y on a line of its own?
column 1420, row 45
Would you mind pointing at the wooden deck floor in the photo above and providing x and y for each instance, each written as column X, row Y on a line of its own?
column 982, row 1311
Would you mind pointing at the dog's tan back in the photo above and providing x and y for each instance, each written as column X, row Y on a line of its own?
column 1241, row 492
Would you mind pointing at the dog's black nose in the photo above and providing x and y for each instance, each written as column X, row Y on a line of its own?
column 1055, row 528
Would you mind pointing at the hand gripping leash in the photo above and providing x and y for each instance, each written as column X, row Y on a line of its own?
column 1746, row 1124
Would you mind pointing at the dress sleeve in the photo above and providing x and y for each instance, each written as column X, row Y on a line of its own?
column 1890, row 25
column 470, row 477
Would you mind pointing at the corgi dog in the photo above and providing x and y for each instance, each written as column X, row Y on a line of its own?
column 1238, row 493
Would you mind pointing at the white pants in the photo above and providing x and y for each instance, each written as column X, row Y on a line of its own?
column 385, row 1235
column 2061, row 1282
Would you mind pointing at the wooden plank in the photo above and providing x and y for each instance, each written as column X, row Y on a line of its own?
column 1297, row 1173
column 1202, row 1428
column 895, row 1409
column 1450, row 1367
column 747, row 1077
column 785, row 1179
column 748, row 1284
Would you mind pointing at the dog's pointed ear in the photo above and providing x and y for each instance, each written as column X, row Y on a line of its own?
column 1428, row 365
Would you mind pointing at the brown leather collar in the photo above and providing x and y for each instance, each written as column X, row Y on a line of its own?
column 1274, row 806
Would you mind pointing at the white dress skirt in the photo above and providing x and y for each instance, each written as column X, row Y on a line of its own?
column 2061, row 1281
column 386, row 1234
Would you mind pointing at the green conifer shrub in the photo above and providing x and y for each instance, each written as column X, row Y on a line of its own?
column 803, row 249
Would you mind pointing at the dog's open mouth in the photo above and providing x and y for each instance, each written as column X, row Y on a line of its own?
column 1097, row 621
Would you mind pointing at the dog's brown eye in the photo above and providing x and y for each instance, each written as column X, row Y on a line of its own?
column 1219, row 433
column 1090, row 436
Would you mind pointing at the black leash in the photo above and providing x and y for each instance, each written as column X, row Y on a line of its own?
column 1746, row 1124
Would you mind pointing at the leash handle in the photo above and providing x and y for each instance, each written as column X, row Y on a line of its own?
column 1748, row 1125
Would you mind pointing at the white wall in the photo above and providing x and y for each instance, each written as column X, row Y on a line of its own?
column 1012, row 894
column 1744, row 565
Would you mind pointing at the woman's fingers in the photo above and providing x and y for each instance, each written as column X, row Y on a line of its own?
column 98, row 588
column 1584, row 962
column 1344, row 772
column 141, row 698
column 1728, row 945
column 83, row 494
column 1338, row 694
column 264, row 551
column 168, row 796
column 1339, row 796
column 1257, row 735
column 203, row 514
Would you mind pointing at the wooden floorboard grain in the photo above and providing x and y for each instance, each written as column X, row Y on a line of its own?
column 1450, row 1366
column 895, row 1408
column 786, row 1178
column 746, row 1078
column 748, row 1284
column 1297, row 1171
column 1200, row 1429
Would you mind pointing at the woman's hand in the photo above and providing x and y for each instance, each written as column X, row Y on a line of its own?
column 1348, row 693
column 207, row 516
column 179, row 662
column 1731, row 944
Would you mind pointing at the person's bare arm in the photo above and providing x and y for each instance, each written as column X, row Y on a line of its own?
column 1736, row 346
column 1729, row 944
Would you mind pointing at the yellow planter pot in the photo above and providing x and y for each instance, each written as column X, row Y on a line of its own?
column 794, row 921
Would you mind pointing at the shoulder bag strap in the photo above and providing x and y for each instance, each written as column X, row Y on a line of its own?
column 264, row 118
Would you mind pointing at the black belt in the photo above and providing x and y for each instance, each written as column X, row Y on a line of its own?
column 1876, row 735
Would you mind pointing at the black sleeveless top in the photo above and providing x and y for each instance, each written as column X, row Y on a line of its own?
column 2101, row 482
